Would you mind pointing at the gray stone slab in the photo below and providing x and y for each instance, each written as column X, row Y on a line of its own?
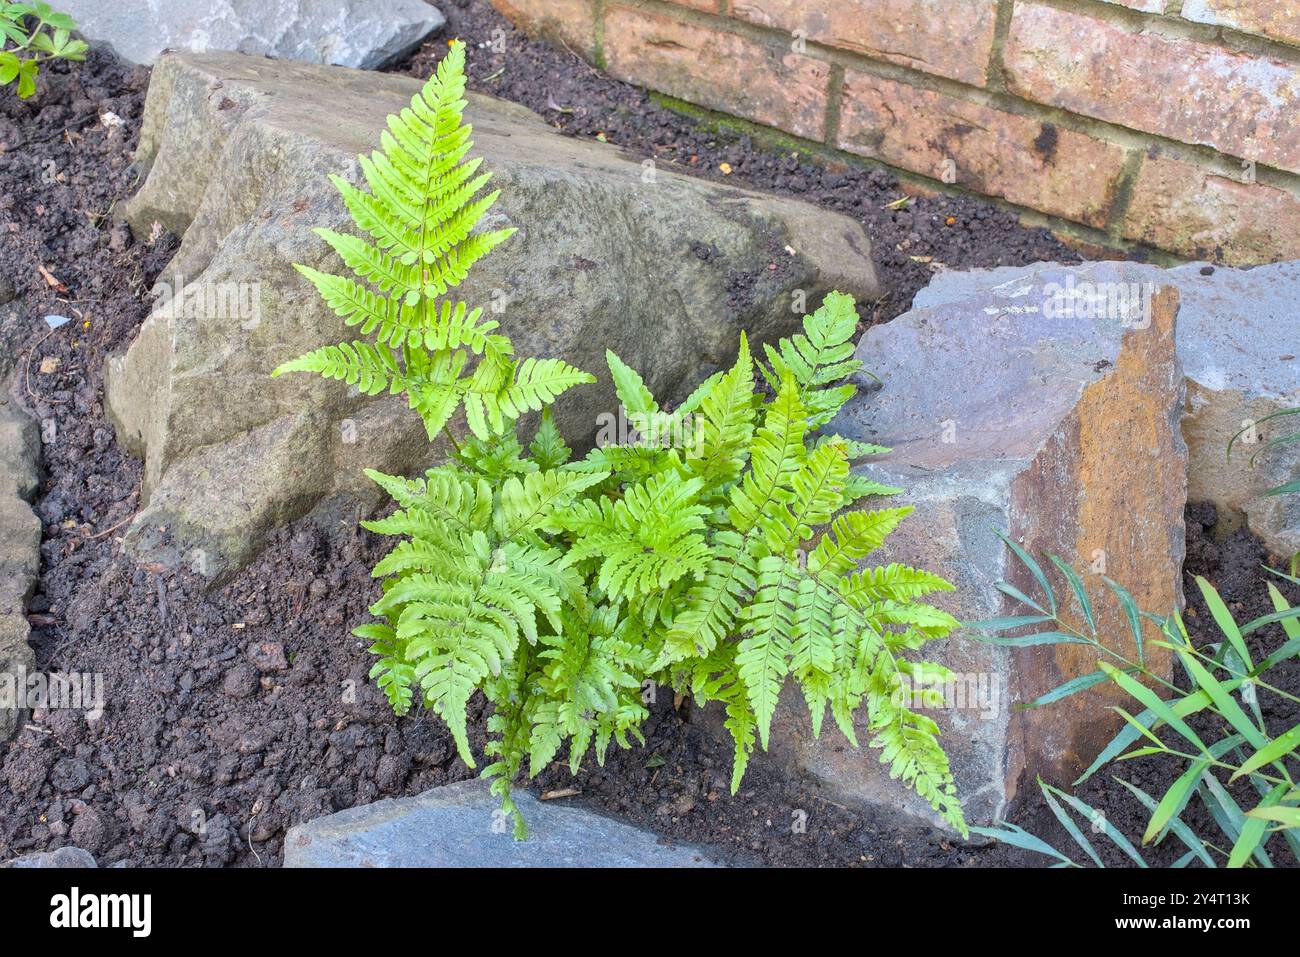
column 360, row 33
column 1239, row 345
column 63, row 857
column 460, row 825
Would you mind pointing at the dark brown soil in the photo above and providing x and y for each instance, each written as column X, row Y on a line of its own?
column 234, row 712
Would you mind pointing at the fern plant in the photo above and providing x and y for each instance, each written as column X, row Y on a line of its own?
column 560, row 587
column 1223, row 681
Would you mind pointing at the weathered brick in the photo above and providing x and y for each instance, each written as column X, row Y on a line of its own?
column 1002, row 154
column 1276, row 19
column 951, row 38
column 768, row 84
column 1180, row 88
column 571, row 22
column 1190, row 210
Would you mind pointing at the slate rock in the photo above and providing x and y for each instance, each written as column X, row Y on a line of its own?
column 460, row 825
column 63, row 857
column 359, row 33
column 1061, row 431
column 1239, row 346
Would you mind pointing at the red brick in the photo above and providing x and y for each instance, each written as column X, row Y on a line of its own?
column 1186, row 90
column 951, row 38
column 998, row 153
column 1276, row 19
column 772, row 85
column 1189, row 210
column 571, row 22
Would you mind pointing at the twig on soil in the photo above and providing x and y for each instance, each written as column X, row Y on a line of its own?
column 79, row 121
column 590, row 68
column 112, row 528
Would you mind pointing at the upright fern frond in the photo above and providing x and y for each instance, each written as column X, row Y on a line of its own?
column 423, row 206
column 821, row 356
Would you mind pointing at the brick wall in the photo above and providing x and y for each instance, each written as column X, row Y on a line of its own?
column 1171, row 124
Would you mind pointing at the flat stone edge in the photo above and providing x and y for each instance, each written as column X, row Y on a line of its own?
column 475, row 792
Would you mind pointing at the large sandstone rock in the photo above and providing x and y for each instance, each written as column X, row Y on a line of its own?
column 461, row 825
column 610, row 253
column 1062, row 432
column 360, row 33
column 1239, row 345
column 20, row 530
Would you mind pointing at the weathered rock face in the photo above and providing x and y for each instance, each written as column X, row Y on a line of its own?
column 63, row 857
column 460, row 825
column 20, row 533
column 360, row 33
column 610, row 253
column 1238, row 342
column 1061, row 431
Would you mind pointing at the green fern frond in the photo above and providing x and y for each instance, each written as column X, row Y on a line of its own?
column 894, row 581
column 763, row 658
column 909, row 746
column 372, row 369
column 644, row 541
column 852, row 537
column 630, row 387
column 821, row 356
column 713, row 605
column 548, row 448
column 776, row 452
column 728, row 424
column 529, row 503
column 421, row 207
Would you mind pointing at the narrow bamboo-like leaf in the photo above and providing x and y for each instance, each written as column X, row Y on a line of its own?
column 1041, row 638
column 1286, row 816
column 1174, row 800
column 1034, row 570
column 1134, row 616
column 1223, row 618
column 1013, row 592
column 1098, row 821
column 1225, row 704
column 1281, row 746
column 1019, row 837
column 1067, row 822
column 1196, row 847
column 1149, row 698
column 1277, row 616
column 1080, row 593
column 1252, row 832
column 1006, row 624
column 1289, row 625
column 1065, row 690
